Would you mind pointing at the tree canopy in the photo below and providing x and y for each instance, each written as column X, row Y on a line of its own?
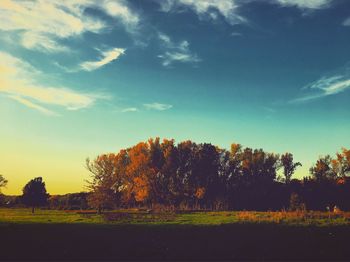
column 34, row 193
column 203, row 175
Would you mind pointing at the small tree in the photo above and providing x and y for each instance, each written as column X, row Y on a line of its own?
column 295, row 203
column 3, row 182
column 34, row 193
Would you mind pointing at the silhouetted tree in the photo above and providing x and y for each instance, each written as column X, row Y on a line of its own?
column 288, row 166
column 171, row 183
column 3, row 182
column 34, row 193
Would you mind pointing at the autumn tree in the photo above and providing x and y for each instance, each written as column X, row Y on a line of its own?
column 259, row 166
column 289, row 166
column 323, row 170
column 341, row 164
column 140, row 174
column 102, row 183
column 188, row 175
column 169, row 184
column 34, row 193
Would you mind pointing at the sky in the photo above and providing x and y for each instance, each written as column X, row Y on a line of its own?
column 83, row 77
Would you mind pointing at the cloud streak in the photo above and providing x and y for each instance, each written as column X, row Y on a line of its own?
column 304, row 4
column 33, row 106
column 157, row 106
column 130, row 109
column 325, row 86
column 19, row 81
column 106, row 58
column 206, row 9
column 176, row 52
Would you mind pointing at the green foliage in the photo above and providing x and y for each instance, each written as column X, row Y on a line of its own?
column 74, row 201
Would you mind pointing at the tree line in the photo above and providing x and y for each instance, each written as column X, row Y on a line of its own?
column 187, row 176
column 203, row 176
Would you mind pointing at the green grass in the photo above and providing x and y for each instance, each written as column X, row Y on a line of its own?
column 134, row 235
column 121, row 217
column 22, row 216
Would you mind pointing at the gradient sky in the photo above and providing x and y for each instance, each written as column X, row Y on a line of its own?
column 80, row 78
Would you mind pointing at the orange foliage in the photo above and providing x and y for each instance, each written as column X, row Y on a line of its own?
column 200, row 192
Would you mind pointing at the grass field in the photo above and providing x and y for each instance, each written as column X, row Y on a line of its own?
column 132, row 217
column 136, row 235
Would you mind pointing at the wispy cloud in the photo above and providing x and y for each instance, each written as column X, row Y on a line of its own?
column 106, row 57
column 346, row 22
column 304, row 4
column 325, row 86
column 43, row 24
column 42, row 43
column 209, row 9
column 157, row 106
column 130, row 109
column 120, row 10
column 19, row 80
column 33, row 106
column 176, row 52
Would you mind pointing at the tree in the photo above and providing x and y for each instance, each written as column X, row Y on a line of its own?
column 102, row 186
column 295, row 203
column 323, row 169
column 34, row 193
column 341, row 165
column 288, row 166
column 205, row 173
column 3, row 182
column 140, row 175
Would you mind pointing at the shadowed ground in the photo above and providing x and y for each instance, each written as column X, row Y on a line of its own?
column 180, row 242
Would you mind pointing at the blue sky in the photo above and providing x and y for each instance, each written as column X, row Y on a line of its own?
column 80, row 78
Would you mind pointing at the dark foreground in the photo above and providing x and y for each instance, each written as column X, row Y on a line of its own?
column 173, row 242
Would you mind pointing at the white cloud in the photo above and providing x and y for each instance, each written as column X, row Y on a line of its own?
column 19, row 80
column 207, row 8
column 31, row 40
column 130, row 109
column 42, row 24
column 346, row 22
column 305, row 4
column 171, row 57
column 107, row 57
column 176, row 52
column 119, row 9
column 325, row 86
column 158, row 106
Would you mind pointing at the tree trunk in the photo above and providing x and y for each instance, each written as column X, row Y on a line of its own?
column 32, row 210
